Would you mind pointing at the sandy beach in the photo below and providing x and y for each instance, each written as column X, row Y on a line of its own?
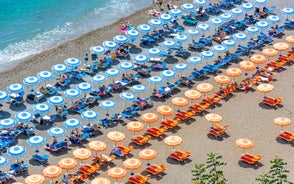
column 245, row 116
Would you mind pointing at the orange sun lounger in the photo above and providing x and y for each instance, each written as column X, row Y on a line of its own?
column 139, row 179
column 169, row 123
column 287, row 136
column 156, row 132
column 272, row 101
column 141, row 140
column 155, row 169
column 180, row 155
column 250, row 159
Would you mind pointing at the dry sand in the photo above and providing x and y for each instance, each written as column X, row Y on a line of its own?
column 242, row 112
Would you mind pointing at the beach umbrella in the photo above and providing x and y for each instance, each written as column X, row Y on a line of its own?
column 16, row 151
column 195, row 60
column 155, row 80
column 168, row 74
column 287, row 11
column 135, row 126
column 56, row 100
column 192, row 94
column 72, row 93
column 59, row 68
column 215, row 21
column 147, row 154
column 139, row 88
column 180, row 38
column 24, row 116
column 111, row 45
column 127, row 97
column 72, row 123
column 84, row 87
column 168, row 44
column 8, row 123
column 99, row 79
column 273, row 19
column 52, row 171
column 149, row 118
column 112, row 72
column 82, row 154
column 281, row 46
column 56, row 132
column 97, row 50
column 100, row 180
column 200, row 2
column 97, row 146
column 203, row 27
column 265, row 88
column 175, row 12
column 132, row 164
column 165, row 110
column 3, row 161
column 154, row 52
column 240, row 36
column 244, row 144
column 141, row 59
column 234, row 72
column 155, row 23
column 188, row 7
column 258, row 59
column 173, row 141
column 219, row 48
column 15, row 88
column 289, row 39
column 116, row 173
column 90, row 115
column 45, row 75
column 126, row 66
column 260, row 2
column 36, row 140
column 247, row 66
column 67, row 164
column 31, row 81
column 213, row 118
column 35, row 179
column 42, row 108
column 207, row 55
column 165, row 18
column 133, row 34
column 144, row 28
column 181, row 67
column 72, row 62
column 229, row 43
column 262, row 24
column 222, row 79
column 3, row 96
column 107, row 104
column 252, row 30
column 204, row 88
column 247, row 6
column 116, row 136
column 193, row 33
column 120, row 39
column 282, row 121
column 179, row 102
column 225, row 16
column 269, row 52
column 237, row 11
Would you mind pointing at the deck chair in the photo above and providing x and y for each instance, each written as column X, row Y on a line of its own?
column 287, row 136
column 141, row 140
column 155, row 169
column 41, row 159
column 273, row 102
column 215, row 133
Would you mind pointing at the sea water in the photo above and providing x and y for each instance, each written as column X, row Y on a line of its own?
column 28, row 27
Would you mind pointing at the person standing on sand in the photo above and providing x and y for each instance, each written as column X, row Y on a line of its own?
column 160, row 2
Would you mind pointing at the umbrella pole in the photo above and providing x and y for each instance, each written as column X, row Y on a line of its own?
column 148, row 164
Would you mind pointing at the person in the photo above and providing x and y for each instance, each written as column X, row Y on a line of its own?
column 127, row 25
column 275, row 29
column 123, row 76
column 227, row 54
column 54, row 140
column 219, row 59
column 160, row 2
column 169, row 5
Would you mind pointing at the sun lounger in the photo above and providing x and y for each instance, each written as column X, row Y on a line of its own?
column 155, row 169
column 124, row 150
column 250, row 159
column 41, row 159
column 219, row 128
column 156, row 132
column 139, row 179
column 141, row 140
column 170, row 123
column 199, row 108
column 216, row 133
column 287, row 136
column 180, row 155
column 273, row 102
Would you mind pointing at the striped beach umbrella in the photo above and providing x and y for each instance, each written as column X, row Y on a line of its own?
column 121, row 39
column 36, row 140
column 72, row 62
column 7, row 123
column 45, row 75
column 3, row 96
column 187, row 7
column 133, row 34
column 16, row 151
column 141, row 58
column 165, row 18
column 56, row 100
column 89, row 115
column 72, row 123
column 42, row 108
column 56, row 131
column 247, row 6
column 59, row 68
column 144, row 28
column 24, row 116
column 155, row 23
column 31, row 81
column 15, row 88
column 97, row 50
column 111, row 45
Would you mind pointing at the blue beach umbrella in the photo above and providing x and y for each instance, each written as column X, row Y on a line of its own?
column 144, row 28
column 111, row 45
column 15, row 88
column 7, row 123
column 133, row 34
column 240, row 36
column 120, row 39
column 247, row 6
column 219, row 48
column 84, row 87
column 72, row 62
column 287, row 11
column 180, row 67
column 90, row 115
column 126, row 66
column 195, row 60
column 56, row 100
column 225, row 16
column 24, row 116
column 98, row 79
column 154, row 52
column 168, row 44
column 107, row 104
column 181, row 38
column 42, row 108
column 262, row 24
column 260, row 2
column 97, row 50
column 229, row 43
column 16, row 151
column 56, row 131
column 127, row 96
column 237, row 11
column 112, row 72
column 155, row 80
column 72, row 93
column 59, row 68
column 3, row 96
column 200, row 2
column 252, row 30
column 155, row 23
column 273, row 19
column 45, row 75
column 31, row 81
column 139, row 88
column 165, row 18
column 36, row 141
column 193, row 32
column 72, row 123
column 207, row 55
column 203, row 27
column 3, row 161
column 168, row 74
column 141, row 58
column 215, row 21
column 187, row 7
column 175, row 12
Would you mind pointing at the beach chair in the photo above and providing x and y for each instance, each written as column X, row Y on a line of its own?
column 41, row 159
column 250, row 159
column 180, row 155
column 156, row 169
column 169, row 123
column 139, row 179
column 287, row 136
column 219, row 128
column 216, row 133
column 273, row 102
column 124, row 150
column 141, row 140
column 157, row 132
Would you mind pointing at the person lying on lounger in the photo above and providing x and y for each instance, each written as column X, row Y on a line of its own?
column 153, row 12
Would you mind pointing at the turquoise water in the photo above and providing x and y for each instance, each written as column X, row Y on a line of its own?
column 28, row 27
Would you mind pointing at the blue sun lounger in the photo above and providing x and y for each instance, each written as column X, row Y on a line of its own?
column 41, row 159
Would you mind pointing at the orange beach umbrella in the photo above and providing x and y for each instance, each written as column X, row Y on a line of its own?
column 290, row 39
column 204, row 87
column 281, row 46
column 116, row 136
column 247, row 65
column 149, row 117
column 100, row 180
column 147, row 154
column 135, row 126
column 265, row 88
column 269, row 52
column 132, row 164
column 117, row 173
column 97, row 146
column 35, row 179
column 258, row 59
column 52, row 172
column 192, row 94
column 214, row 118
column 244, row 144
column 82, row 154
column 179, row 101
column 234, row 72
column 173, row 141
column 67, row 163
column 282, row 121
column 222, row 79
column 165, row 110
